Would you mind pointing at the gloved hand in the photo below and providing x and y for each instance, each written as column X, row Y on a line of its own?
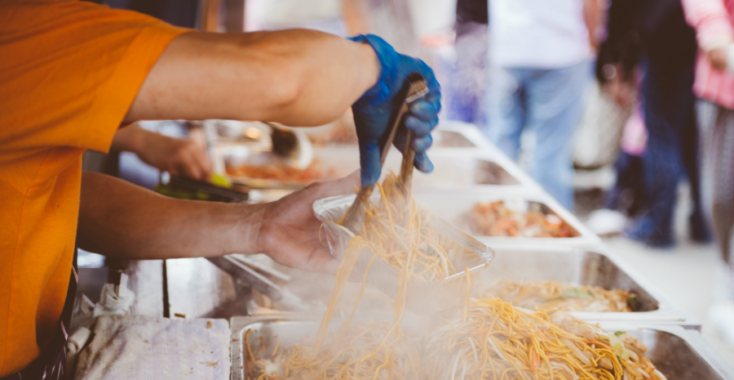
column 373, row 110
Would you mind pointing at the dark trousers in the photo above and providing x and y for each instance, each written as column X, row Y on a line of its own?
column 50, row 365
column 672, row 150
column 628, row 193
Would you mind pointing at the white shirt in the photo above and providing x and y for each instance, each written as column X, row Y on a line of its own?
column 538, row 33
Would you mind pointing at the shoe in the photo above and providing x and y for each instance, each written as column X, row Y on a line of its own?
column 721, row 316
column 643, row 232
column 606, row 222
column 698, row 229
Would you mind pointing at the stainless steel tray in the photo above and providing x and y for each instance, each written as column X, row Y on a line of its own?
column 236, row 132
column 453, row 205
column 578, row 267
column 458, row 135
column 679, row 354
column 447, row 135
column 451, row 168
column 464, row 169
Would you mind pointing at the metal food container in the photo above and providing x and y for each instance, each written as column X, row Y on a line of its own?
column 457, row 169
column 447, row 135
column 579, row 267
column 443, row 138
column 451, row 134
column 329, row 163
column 678, row 353
column 424, row 297
column 252, row 133
column 454, row 206
column 451, row 169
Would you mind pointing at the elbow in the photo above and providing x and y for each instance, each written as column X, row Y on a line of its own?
column 296, row 100
column 288, row 88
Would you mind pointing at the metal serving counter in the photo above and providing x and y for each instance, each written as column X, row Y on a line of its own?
column 454, row 206
column 570, row 266
column 678, row 353
column 468, row 169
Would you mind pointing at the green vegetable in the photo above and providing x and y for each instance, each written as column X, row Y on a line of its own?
column 577, row 293
column 618, row 333
column 618, row 346
column 221, row 180
column 634, row 302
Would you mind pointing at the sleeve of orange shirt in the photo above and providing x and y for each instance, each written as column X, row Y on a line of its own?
column 68, row 74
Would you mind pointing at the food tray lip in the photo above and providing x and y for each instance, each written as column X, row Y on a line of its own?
column 586, row 238
column 693, row 338
column 469, row 131
column 219, row 151
column 667, row 313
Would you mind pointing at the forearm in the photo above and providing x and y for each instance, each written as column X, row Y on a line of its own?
column 122, row 220
column 295, row 77
column 129, row 139
column 355, row 15
column 592, row 15
column 711, row 21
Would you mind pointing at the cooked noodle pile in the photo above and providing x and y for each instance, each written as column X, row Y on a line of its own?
column 553, row 295
column 489, row 339
column 500, row 341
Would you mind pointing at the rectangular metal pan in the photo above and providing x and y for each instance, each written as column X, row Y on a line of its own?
column 454, row 206
column 580, row 267
column 678, row 353
column 447, row 135
column 227, row 132
column 451, row 134
column 451, row 169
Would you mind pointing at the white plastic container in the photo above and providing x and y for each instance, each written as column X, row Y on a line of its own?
column 424, row 297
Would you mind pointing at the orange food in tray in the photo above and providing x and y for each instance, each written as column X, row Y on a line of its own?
column 496, row 219
column 283, row 173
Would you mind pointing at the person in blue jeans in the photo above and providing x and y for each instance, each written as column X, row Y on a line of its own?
column 539, row 58
column 654, row 36
column 547, row 102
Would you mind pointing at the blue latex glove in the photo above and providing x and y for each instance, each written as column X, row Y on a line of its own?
column 373, row 110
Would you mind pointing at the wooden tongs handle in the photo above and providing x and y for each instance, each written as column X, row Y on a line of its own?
column 415, row 88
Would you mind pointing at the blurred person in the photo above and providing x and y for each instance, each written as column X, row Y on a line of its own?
column 666, row 67
column 713, row 21
column 650, row 46
column 177, row 156
column 73, row 72
column 539, row 66
column 464, row 92
column 181, row 13
column 626, row 198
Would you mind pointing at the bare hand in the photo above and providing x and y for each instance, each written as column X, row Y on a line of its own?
column 621, row 91
column 290, row 233
column 177, row 156
column 717, row 57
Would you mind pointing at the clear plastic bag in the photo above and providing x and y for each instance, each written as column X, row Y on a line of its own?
column 424, row 297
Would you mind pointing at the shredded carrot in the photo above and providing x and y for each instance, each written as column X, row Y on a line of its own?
column 600, row 344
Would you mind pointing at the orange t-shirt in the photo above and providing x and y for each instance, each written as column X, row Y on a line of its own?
column 69, row 71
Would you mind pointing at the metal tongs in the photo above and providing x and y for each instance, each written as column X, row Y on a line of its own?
column 415, row 88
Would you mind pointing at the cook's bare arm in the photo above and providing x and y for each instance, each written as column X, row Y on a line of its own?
column 123, row 220
column 296, row 77
column 119, row 219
